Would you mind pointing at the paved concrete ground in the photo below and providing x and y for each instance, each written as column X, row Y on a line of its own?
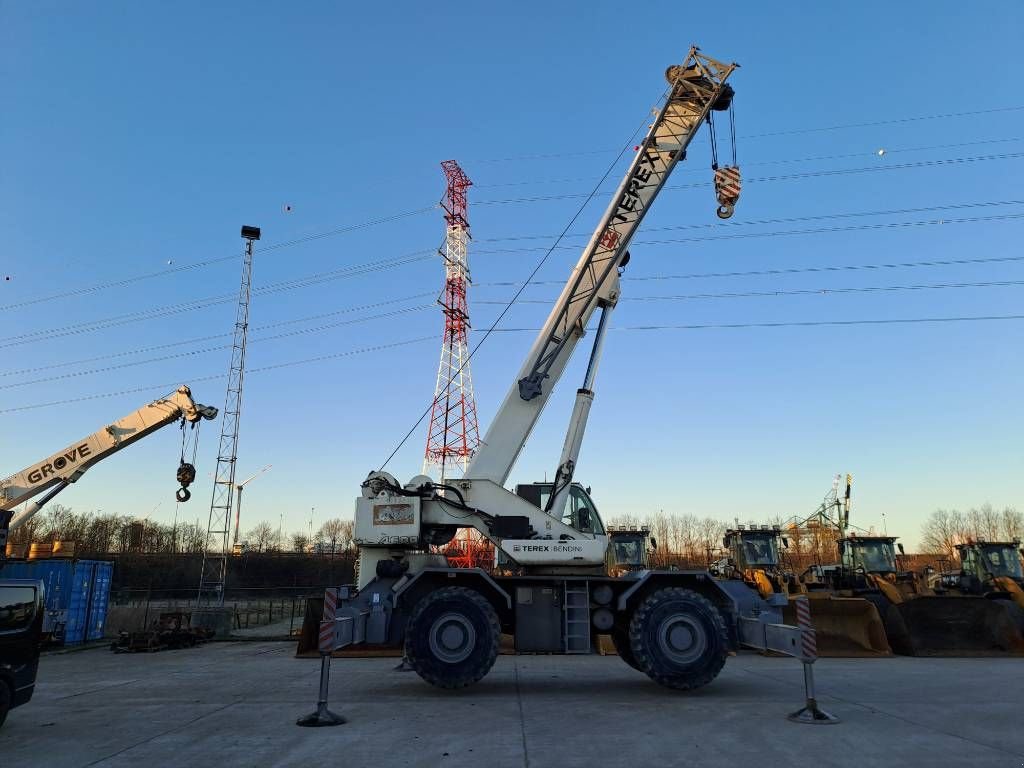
column 235, row 704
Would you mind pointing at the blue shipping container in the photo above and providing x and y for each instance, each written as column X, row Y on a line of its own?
column 77, row 595
column 100, row 600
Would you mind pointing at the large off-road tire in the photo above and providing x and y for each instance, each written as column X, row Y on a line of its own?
column 620, row 639
column 679, row 638
column 452, row 637
column 5, row 701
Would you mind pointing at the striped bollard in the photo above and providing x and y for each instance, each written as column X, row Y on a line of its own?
column 327, row 640
column 810, row 712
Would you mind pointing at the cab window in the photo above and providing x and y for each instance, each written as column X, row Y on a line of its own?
column 580, row 514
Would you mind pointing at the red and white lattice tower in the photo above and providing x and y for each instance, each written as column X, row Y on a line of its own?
column 453, row 435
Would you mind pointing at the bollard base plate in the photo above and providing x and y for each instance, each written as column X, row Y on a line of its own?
column 813, row 715
column 321, row 718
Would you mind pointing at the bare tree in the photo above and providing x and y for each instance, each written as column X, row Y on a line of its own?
column 337, row 535
column 984, row 522
column 942, row 531
column 262, row 537
column 1012, row 524
column 300, row 541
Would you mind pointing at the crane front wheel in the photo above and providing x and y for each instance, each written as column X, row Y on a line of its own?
column 452, row 637
column 678, row 638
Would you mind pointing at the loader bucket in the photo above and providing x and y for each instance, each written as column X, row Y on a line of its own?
column 943, row 625
column 845, row 626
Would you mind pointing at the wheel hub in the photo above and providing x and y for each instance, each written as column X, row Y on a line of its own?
column 682, row 639
column 452, row 638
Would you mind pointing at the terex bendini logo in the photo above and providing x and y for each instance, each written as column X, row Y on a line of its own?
column 60, row 463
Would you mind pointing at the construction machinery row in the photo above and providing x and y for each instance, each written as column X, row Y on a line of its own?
column 867, row 603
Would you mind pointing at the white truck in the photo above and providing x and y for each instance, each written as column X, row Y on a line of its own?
column 676, row 626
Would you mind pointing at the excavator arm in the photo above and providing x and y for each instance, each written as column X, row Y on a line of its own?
column 56, row 472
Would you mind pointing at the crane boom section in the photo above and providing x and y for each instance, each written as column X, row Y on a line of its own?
column 696, row 86
column 67, row 465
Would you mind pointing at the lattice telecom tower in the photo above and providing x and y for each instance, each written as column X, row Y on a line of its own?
column 218, row 530
column 453, row 435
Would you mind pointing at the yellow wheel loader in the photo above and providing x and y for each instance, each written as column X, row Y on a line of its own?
column 918, row 620
column 845, row 626
column 629, row 549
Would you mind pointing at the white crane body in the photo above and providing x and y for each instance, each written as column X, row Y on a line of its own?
column 552, row 592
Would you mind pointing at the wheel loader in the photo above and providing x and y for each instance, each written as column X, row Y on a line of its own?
column 919, row 621
column 845, row 626
column 629, row 549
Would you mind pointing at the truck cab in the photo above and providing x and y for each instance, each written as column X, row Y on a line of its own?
column 21, row 630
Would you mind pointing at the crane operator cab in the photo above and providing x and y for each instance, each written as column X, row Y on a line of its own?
column 579, row 513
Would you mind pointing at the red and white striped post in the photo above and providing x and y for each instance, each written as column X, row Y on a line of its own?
column 810, row 712
column 326, row 643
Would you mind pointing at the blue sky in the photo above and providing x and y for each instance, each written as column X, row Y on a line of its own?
column 136, row 140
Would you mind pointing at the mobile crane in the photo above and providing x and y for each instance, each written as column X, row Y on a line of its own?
column 676, row 626
column 54, row 474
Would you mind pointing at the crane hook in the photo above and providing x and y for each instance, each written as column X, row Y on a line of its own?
column 186, row 476
column 727, row 189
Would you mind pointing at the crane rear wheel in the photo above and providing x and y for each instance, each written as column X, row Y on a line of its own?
column 678, row 638
column 452, row 637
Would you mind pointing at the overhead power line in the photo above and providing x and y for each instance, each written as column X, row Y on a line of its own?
column 796, row 324
column 864, row 153
column 199, row 339
column 799, row 292
column 785, row 177
column 791, row 132
column 167, row 310
column 693, row 326
column 731, row 224
column 195, row 379
column 783, row 271
column 201, row 351
column 786, row 233
column 217, row 260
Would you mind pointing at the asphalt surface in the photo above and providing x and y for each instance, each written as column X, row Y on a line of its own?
column 235, row 704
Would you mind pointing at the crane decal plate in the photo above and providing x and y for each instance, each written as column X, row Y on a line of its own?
column 394, row 514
